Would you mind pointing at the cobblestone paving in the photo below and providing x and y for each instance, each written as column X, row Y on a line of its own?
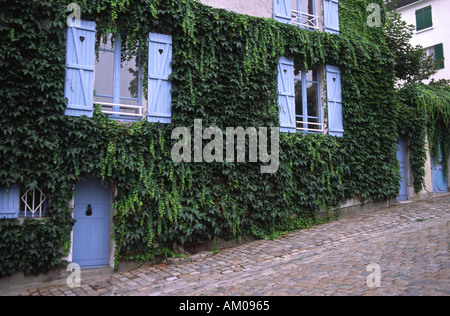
column 410, row 243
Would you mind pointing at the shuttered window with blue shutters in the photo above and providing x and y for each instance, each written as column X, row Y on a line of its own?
column 9, row 202
column 331, row 16
column 334, row 101
column 286, row 95
column 80, row 59
column 159, row 86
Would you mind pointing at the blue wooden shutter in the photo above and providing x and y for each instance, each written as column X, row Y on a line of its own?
column 282, row 11
column 334, row 100
column 80, row 62
column 331, row 16
column 9, row 202
column 286, row 95
column 159, row 86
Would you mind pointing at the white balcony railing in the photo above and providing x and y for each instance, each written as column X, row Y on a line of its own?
column 320, row 127
column 303, row 19
column 122, row 110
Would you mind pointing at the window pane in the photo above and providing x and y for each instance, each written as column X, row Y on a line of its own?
column 129, row 78
column 104, row 73
column 307, row 6
column 294, row 5
column 313, row 104
column 298, row 99
column 311, row 76
column 314, row 127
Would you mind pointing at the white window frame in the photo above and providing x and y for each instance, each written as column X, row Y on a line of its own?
column 302, row 125
column 118, row 110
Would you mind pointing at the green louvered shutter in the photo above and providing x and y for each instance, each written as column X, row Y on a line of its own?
column 439, row 55
column 424, row 18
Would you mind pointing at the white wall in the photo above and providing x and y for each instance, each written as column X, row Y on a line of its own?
column 438, row 33
column 259, row 8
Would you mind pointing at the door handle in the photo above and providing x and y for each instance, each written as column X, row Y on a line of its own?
column 89, row 210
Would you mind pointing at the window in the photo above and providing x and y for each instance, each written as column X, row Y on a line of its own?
column 299, row 99
column 18, row 202
column 424, row 18
column 117, row 76
column 303, row 14
column 33, row 203
column 307, row 101
column 118, row 81
column 438, row 52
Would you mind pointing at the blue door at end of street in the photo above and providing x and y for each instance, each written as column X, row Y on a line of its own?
column 438, row 178
column 401, row 156
column 91, row 230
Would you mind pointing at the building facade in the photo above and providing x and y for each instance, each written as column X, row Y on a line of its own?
column 432, row 30
column 109, row 189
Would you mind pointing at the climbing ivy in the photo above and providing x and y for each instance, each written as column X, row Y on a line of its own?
column 225, row 73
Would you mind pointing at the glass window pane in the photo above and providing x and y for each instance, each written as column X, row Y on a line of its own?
column 314, row 126
column 109, row 43
column 313, row 104
column 311, row 76
column 298, row 98
column 129, row 78
column 104, row 73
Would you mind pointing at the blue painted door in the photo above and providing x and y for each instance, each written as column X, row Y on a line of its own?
column 439, row 179
column 91, row 230
column 401, row 155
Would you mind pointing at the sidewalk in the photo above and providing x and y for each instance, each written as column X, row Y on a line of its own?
column 408, row 242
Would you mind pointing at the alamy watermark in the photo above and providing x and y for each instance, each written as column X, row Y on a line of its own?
column 74, row 278
column 74, row 18
column 374, row 279
column 374, row 18
column 214, row 150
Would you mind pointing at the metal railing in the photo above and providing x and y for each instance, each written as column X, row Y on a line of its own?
column 307, row 20
column 320, row 129
column 138, row 110
column 34, row 202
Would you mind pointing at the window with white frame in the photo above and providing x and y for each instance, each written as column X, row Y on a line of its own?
column 118, row 81
column 437, row 52
column 307, row 101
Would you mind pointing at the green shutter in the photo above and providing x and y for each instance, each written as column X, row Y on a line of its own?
column 439, row 54
column 424, row 18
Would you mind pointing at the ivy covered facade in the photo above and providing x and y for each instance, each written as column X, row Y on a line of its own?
column 81, row 156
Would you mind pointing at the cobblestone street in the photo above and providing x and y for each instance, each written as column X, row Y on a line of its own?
column 409, row 242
